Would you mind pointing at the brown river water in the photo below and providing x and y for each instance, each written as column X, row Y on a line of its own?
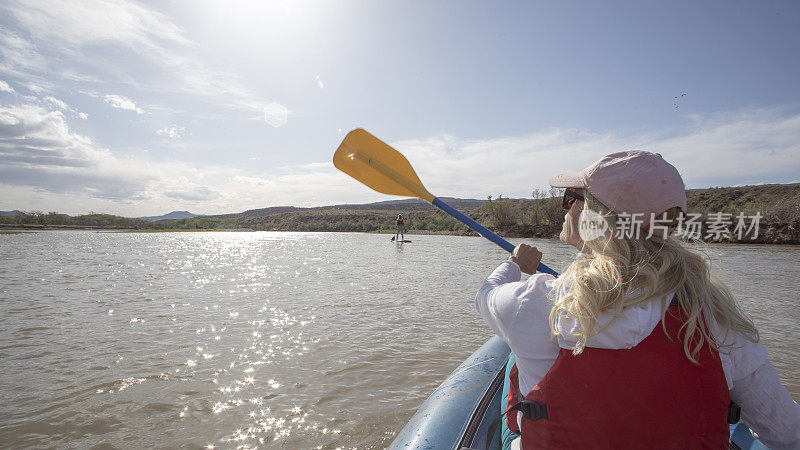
column 267, row 339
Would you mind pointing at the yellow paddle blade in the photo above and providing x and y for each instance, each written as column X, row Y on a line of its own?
column 379, row 166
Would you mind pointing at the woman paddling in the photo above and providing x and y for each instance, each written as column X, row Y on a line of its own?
column 637, row 344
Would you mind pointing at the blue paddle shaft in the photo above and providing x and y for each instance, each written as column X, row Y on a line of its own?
column 483, row 231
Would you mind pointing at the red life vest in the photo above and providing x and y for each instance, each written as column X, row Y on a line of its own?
column 650, row 396
column 399, row 222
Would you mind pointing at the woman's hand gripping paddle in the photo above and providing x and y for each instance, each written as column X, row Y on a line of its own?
column 384, row 169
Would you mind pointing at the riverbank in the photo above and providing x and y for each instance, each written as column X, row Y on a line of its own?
column 182, row 230
column 763, row 214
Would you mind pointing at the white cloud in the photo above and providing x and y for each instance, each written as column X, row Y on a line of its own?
column 172, row 132
column 198, row 193
column 79, row 33
column 122, row 102
column 44, row 165
column 737, row 148
column 511, row 166
column 745, row 146
column 75, row 22
column 56, row 103
column 71, row 75
column 19, row 55
column 4, row 87
column 37, row 89
column 38, row 151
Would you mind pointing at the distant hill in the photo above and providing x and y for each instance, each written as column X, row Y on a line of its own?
column 15, row 212
column 260, row 212
column 777, row 202
column 174, row 215
column 410, row 204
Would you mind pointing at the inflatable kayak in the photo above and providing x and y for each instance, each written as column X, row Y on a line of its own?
column 458, row 413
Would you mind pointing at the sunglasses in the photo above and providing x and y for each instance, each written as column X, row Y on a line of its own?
column 570, row 197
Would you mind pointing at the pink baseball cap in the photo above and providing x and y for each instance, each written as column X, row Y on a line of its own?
column 633, row 182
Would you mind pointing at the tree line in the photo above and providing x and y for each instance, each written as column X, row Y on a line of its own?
column 94, row 220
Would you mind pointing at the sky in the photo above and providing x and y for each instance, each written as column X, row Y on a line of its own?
column 141, row 108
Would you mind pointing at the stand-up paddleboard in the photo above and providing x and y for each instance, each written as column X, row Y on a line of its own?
column 402, row 241
column 394, row 240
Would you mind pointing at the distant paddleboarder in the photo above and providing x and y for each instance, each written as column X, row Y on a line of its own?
column 399, row 235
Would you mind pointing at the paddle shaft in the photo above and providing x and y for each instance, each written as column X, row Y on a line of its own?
column 483, row 231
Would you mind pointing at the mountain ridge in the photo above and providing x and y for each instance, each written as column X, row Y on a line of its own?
column 173, row 215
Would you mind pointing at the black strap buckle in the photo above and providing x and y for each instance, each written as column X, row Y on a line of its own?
column 532, row 410
column 734, row 413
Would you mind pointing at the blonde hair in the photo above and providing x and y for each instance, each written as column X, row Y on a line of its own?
column 624, row 271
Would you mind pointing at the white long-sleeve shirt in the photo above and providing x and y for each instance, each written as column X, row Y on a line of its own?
column 518, row 312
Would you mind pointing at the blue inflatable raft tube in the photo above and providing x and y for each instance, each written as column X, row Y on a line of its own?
column 458, row 413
